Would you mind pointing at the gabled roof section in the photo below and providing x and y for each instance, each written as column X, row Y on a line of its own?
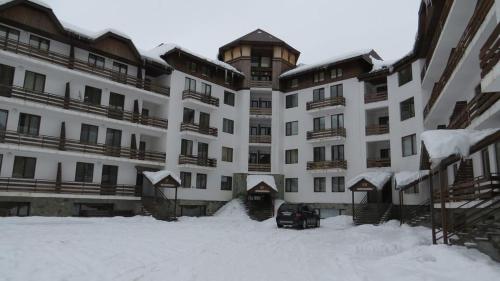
column 110, row 34
column 376, row 178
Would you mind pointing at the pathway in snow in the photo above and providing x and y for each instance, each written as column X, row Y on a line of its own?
column 228, row 246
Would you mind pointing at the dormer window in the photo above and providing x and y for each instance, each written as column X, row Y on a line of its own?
column 336, row 73
column 319, row 76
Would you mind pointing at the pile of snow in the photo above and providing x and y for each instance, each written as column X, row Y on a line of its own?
column 441, row 144
column 156, row 177
column 254, row 180
column 233, row 208
column 377, row 178
column 406, row 177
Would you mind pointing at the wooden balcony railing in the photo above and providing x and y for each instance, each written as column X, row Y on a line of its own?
column 325, row 165
column 333, row 101
column 260, row 84
column 192, row 127
column 197, row 160
column 490, row 52
column 476, row 189
column 259, row 167
column 259, row 139
column 326, row 133
column 77, row 105
column 377, row 163
column 477, row 106
column 52, row 186
column 458, row 52
column 376, row 130
column 261, row 111
column 64, row 144
column 375, row 97
column 73, row 63
column 188, row 94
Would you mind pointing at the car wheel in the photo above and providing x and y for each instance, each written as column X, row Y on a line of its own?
column 304, row 224
column 280, row 226
column 318, row 222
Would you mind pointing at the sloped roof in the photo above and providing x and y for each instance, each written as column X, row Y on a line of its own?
column 376, row 178
column 156, row 177
column 254, row 180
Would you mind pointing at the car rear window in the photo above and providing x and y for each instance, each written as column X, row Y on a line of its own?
column 288, row 208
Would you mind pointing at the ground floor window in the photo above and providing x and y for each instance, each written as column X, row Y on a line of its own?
column 193, row 210
column 338, row 184
column 14, row 209
column 185, row 179
column 292, row 185
column 319, row 184
column 201, row 181
column 24, row 167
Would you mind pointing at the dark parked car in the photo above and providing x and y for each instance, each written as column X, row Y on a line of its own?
column 298, row 216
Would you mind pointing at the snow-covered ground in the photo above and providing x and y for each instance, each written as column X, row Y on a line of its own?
column 227, row 246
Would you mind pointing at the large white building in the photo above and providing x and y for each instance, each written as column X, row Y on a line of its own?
column 83, row 115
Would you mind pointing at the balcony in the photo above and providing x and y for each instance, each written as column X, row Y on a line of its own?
column 77, row 105
column 333, row 101
column 375, row 97
column 463, row 116
column 260, row 84
column 261, row 111
column 197, row 161
column 72, row 63
column 376, row 130
column 259, row 167
column 378, row 162
column 327, row 165
column 78, row 188
column 63, row 144
column 326, row 134
column 196, row 128
column 259, row 139
column 488, row 61
column 202, row 98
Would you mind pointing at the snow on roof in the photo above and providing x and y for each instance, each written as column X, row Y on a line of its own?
column 156, row 177
column 441, row 144
column 332, row 60
column 168, row 47
column 38, row 2
column 254, row 180
column 377, row 178
column 404, row 178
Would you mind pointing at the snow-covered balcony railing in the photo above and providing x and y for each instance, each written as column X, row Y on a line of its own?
column 375, row 97
column 325, row 165
column 266, row 111
column 376, row 130
column 192, row 127
column 60, row 187
column 326, row 133
column 259, row 167
column 490, row 52
column 66, row 102
column 189, row 94
column 71, row 62
column 458, row 52
column 64, row 144
column 197, row 161
column 332, row 101
column 378, row 162
column 259, row 138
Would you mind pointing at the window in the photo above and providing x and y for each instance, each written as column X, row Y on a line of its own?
column 28, row 124
column 292, row 185
column 320, row 184
column 319, row 154
column 84, row 172
column 113, row 138
column 88, row 134
column 294, row 83
column 185, row 179
column 336, row 73
column 190, row 84
column 319, row 94
column 336, row 91
column 292, row 128
column 338, row 184
column 337, row 152
column 319, row 123
column 116, row 101
column 6, row 79
column 291, row 101
column 96, row 61
column 485, row 159
column 120, row 68
column 9, row 33
column 337, row 121
column 204, row 121
column 24, row 167
column 229, row 98
column 227, row 126
column 407, row 108
column 291, row 156
column 192, row 66
column 497, row 152
column 4, row 115
column 188, row 115
column 201, row 181
column 319, row 76
column 409, row 144
column 205, row 71
column 206, row 89
column 227, row 154
column 39, row 43
column 109, row 175
column 34, row 81
column 226, row 183
column 412, row 190
column 203, row 151
column 186, row 147
column 92, row 95
column 405, row 75
column 228, row 78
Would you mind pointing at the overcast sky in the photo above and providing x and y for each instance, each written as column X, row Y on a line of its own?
column 319, row 29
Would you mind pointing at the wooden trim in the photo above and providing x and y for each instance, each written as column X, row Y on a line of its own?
column 326, row 133
column 259, row 167
column 376, row 130
column 325, row 165
column 332, row 101
column 261, row 111
column 259, row 138
column 189, row 94
column 197, row 160
column 375, row 97
column 377, row 163
column 192, row 127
